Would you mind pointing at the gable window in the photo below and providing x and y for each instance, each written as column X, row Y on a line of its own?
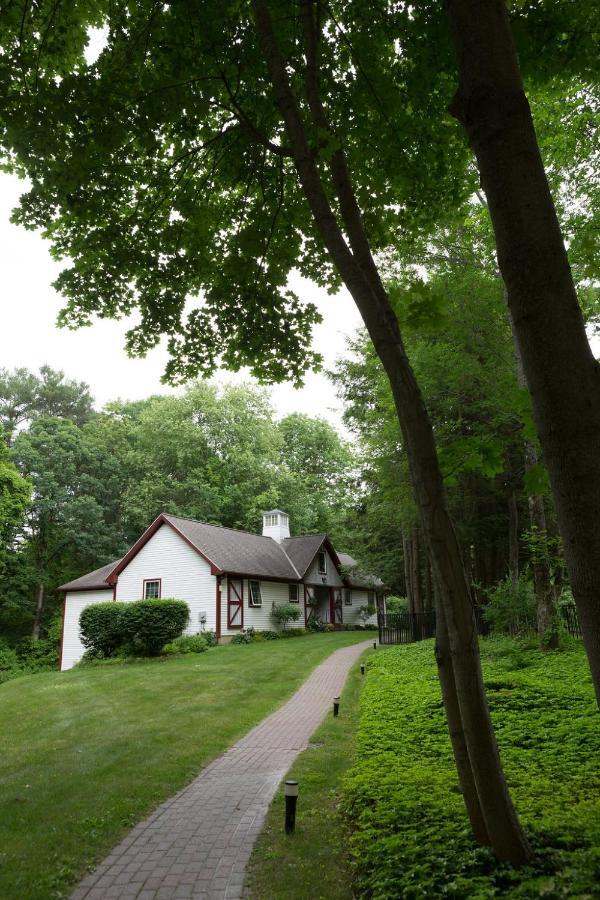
column 293, row 593
column 254, row 595
column 322, row 562
column 347, row 597
column 151, row 588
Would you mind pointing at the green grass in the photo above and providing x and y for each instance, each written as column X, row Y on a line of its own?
column 313, row 862
column 87, row 753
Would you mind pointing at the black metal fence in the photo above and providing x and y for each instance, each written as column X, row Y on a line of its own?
column 405, row 627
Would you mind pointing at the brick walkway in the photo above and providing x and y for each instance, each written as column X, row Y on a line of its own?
column 198, row 843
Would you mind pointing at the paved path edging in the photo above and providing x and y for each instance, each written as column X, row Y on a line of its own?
column 197, row 844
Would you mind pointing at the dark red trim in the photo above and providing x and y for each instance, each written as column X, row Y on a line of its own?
column 62, row 631
column 146, row 580
column 149, row 532
column 218, row 606
column 236, row 604
column 114, row 591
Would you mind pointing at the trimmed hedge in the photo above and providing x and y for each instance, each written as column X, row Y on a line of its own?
column 150, row 624
column 101, row 627
column 144, row 626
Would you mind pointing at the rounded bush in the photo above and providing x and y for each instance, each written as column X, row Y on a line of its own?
column 147, row 625
column 101, row 627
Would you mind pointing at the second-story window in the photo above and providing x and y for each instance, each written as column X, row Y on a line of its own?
column 322, row 562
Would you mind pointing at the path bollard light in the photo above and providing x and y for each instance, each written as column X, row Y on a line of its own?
column 374, row 645
column 362, row 668
column 336, row 707
column 291, row 797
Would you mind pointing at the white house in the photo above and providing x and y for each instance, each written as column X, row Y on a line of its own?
column 230, row 579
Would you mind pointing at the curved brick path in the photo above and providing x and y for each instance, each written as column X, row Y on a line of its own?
column 198, row 843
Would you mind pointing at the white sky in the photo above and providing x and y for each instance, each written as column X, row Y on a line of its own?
column 29, row 336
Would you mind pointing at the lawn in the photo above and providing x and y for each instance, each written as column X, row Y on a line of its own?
column 87, row 753
column 381, row 805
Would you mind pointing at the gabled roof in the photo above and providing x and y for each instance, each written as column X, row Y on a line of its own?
column 237, row 552
column 302, row 550
column 93, row 580
column 230, row 551
column 227, row 550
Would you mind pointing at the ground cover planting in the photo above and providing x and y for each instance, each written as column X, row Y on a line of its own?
column 410, row 835
column 87, row 753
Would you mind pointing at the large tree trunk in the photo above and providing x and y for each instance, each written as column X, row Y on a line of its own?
column 545, row 598
column 416, row 579
column 562, row 374
column 407, row 554
column 39, row 609
column 443, row 658
column 355, row 264
column 513, row 539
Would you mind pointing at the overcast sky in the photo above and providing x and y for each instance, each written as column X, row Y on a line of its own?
column 29, row 336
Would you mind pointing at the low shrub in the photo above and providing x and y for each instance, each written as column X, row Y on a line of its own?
column 328, row 627
column 147, row 625
column 210, row 637
column 245, row 636
column 293, row 632
column 38, row 655
column 187, row 643
column 511, row 609
column 287, row 612
column 271, row 635
column 315, row 625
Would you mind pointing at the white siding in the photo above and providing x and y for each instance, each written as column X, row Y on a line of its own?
column 259, row 617
column 184, row 575
column 313, row 576
column 75, row 603
column 359, row 598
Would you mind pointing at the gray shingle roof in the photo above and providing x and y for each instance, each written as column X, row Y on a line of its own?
column 95, row 579
column 238, row 552
column 301, row 550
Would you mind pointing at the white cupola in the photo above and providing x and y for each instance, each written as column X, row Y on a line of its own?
column 276, row 525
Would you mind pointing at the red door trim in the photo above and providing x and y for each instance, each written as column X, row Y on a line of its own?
column 235, row 603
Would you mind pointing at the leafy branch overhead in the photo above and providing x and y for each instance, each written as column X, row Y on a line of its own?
column 161, row 172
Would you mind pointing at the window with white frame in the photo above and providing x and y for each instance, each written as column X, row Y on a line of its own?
column 254, row 595
column 347, row 597
column 293, row 593
column 322, row 562
column 272, row 519
column 152, row 589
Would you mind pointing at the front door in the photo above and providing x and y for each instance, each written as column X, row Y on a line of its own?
column 235, row 602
